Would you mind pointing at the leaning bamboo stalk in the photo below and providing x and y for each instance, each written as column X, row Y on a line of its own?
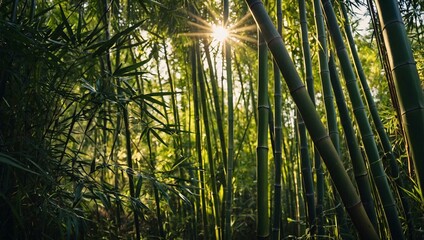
column 407, row 82
column 312, row 120
column 358, row 163
column 331, row 123
column 384, row 138
column 370, row 145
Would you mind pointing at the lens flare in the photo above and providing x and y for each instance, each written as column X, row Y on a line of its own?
column 219, row 33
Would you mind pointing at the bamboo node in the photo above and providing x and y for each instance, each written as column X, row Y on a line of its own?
column 418, row 108
column 403, row 64
column 390, row 23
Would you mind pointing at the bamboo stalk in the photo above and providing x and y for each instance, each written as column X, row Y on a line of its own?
column 387, row 146
column 215, row 196
column 312, row 121
column 407, row 82
column 370, row 145
column 229, row 167
column 278, row 139
column 331, row 122
column 358, row 163
column 305, row 161
column 198, row 143
column 262, row 225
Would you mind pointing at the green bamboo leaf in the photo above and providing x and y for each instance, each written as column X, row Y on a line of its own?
column 178, row 163
column 67, row 25
column 180, row 195
column 138, row 187
column 78, row 193
column 104, row 199
column 119, row 72
column 8, row 160
column 105, row 45
column 152, row 130
column 149, row 98
column 161, row 189
column 44, row 11
column 138, row 206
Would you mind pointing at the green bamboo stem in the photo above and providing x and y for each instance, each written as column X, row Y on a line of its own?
column 384, row 138
column 201, row 171
column 312, row 121
column 262, row 224
column 215, row 196
column 385, row 62
column 218, row 115
column 368, row 96
column 14, row 10
column 308, row 182
column 358, row 163
column 305, row 161
column 370, row 145
column 130, row 167
column 125, row 116
column 278, row 135
column 229, row 167
column 407, row 82
column 331, row 122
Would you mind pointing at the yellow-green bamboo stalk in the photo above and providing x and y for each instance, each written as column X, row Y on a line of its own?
column 229, row 167
column 214, row 189
column 202, row 185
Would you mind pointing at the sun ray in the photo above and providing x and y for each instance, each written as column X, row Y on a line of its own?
column 241, row 21
column 200, row 19
column 241, row 37
column 241, row 29
column 213, row 32
column 195, row 34
column 207, row 28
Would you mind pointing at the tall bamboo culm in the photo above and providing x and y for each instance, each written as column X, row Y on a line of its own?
column 331, row 125
column 278, row 135
column 202, row 185
column 370, row 145
column 313, row 123
column 407, row 82
column 384, row 138
column 214, row 188
column 305, row 160
column 229, row 167
column 358, row 163
column 262, row 228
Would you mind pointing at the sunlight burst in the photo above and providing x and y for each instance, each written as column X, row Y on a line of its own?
column 219, row 33
column 235, row 33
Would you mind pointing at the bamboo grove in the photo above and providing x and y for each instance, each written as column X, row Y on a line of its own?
column 123, row 119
